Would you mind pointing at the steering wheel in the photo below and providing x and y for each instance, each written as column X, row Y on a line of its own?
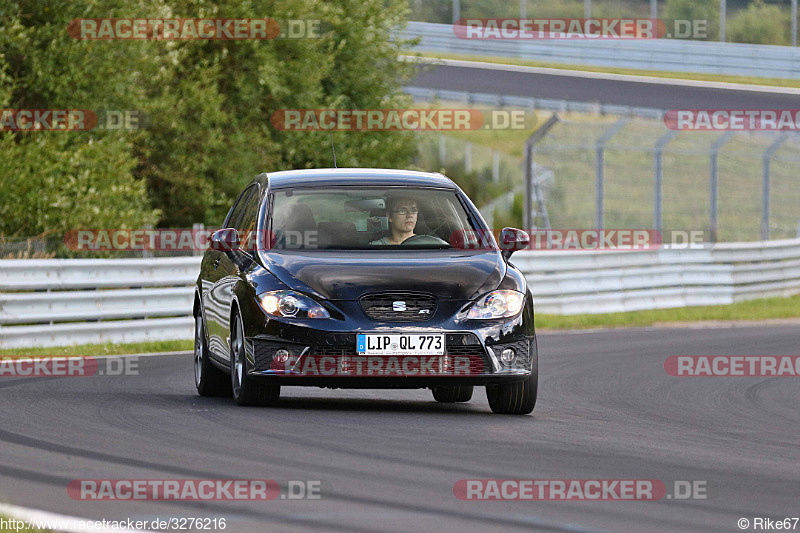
column 424, row 239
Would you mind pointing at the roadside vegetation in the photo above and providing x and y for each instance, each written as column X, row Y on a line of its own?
column 207, row 106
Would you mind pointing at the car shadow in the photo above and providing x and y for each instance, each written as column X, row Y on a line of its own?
column 378, row 404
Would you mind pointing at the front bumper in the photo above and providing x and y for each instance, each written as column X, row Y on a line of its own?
column 472, row 346
column 332, row 361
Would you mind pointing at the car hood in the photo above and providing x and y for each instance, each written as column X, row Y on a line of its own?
column 447, row 274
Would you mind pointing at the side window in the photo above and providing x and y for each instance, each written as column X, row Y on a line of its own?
column 250, row 213
column 235, row 215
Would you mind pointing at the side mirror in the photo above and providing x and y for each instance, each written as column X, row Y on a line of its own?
column 225, row 240
column 512, row 240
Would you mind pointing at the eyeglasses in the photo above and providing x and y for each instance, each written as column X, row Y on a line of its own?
column 406, row 211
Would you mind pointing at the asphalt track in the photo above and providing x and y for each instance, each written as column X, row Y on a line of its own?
column 605, row 91
column 388, row 460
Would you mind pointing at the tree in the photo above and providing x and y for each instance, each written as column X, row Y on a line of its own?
column 691, row 10
column 759, row 24
column 207, row 103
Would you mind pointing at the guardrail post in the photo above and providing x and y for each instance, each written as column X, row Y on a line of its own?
column 771, row 149
column 714, row 184
column 196, row 228
column 146, row 252
column 600, row 147
column 657, row 175
column 530, row 146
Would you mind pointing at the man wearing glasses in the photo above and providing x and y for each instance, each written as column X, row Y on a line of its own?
column 402, row 213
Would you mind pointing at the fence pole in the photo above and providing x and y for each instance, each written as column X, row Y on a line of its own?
column 530, row 146
column 653, row 9
column 468, row 157
column 495, row 166
column 657, row 175
column 442, row 150
column 523, row 9
column 599, row 191
column 456, row 10
column 723, row 19
column 765, row 184
column 587, row 9
column 794, row 22
column 713, row 214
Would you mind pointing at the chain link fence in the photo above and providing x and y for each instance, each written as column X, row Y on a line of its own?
column 615, row 172
column 612, row 172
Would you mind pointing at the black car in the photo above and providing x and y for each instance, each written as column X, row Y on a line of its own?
column 363, row 278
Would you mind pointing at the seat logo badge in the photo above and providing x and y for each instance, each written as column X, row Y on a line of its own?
column 398, row 306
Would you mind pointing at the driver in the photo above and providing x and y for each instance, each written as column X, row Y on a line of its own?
column 402, row 213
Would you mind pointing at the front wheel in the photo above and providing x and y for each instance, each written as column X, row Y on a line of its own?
column 247, row 390
column 517, row 398
column 452, row 394
column 209, row 380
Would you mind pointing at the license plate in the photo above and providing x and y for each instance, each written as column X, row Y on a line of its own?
column 400, row 344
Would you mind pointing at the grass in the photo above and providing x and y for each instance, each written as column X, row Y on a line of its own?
column 748, row 80
column 102, row 349
column 761, row 309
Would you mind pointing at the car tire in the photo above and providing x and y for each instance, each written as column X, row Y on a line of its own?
column 246, row 390
column 517, row 398
column 453, row 394
column 209, row 380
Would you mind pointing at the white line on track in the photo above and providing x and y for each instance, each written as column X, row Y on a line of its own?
column 51, row 519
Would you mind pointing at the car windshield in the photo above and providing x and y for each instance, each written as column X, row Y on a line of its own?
column 345, row 218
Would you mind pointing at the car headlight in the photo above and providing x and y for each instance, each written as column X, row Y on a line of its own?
column 289, row 304
column 497, row 304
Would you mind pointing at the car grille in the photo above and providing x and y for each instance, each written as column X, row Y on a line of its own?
column 417, row 307
column 324, row 351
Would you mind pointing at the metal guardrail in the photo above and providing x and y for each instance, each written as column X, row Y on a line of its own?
column 56, row 302
column 674, row 55
column 46, row 302
column 570, row 282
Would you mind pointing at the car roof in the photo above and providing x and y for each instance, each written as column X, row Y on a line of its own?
column 354, row 176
